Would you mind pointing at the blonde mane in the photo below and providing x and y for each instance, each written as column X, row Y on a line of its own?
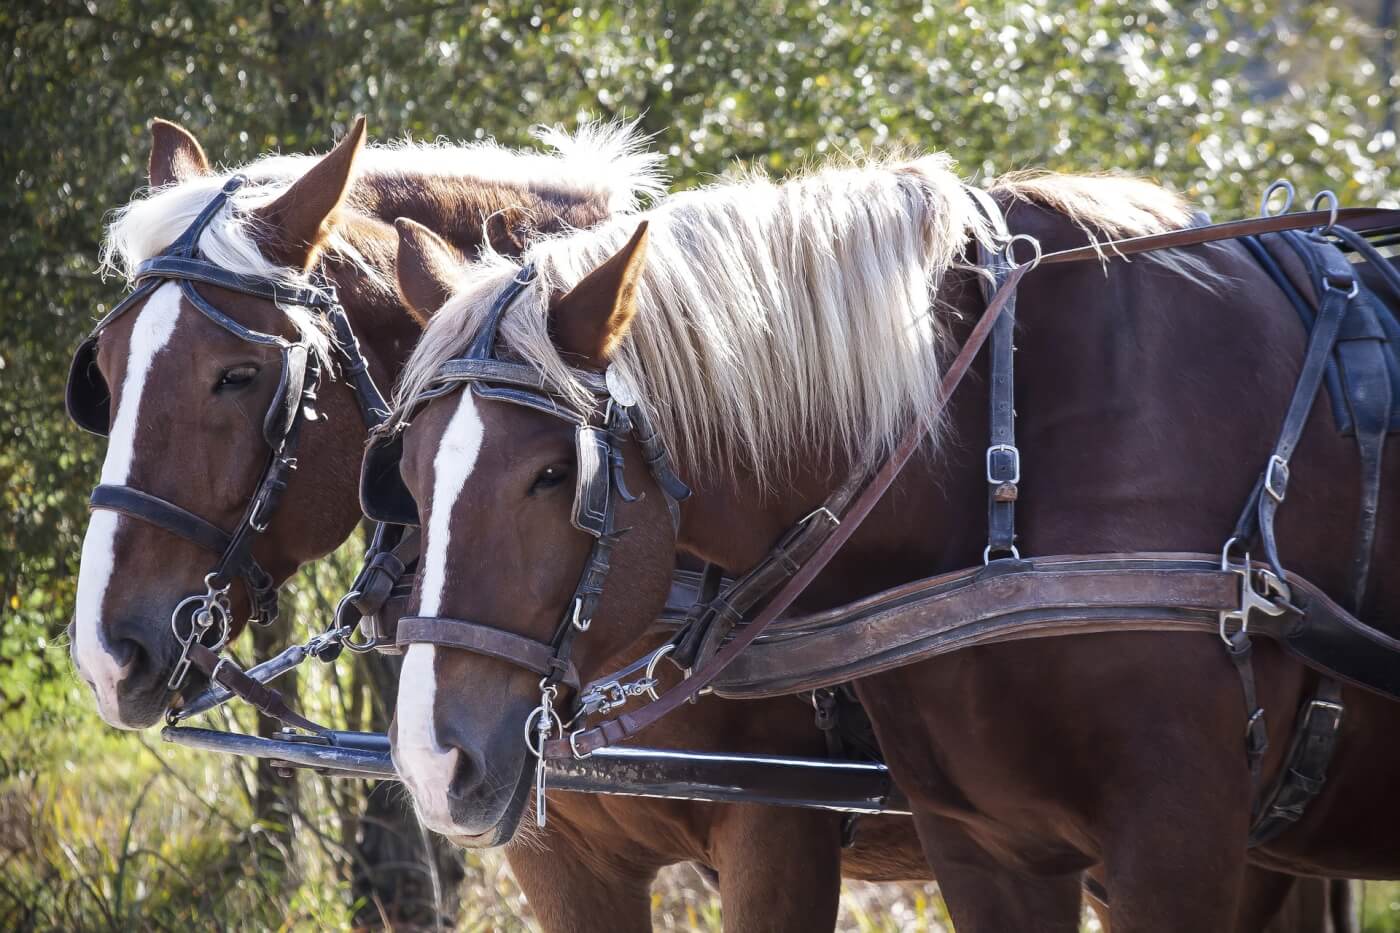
column 607, row 162
column 779, row 322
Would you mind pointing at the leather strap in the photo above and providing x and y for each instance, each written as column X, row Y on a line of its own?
column 1336, row 288
column 387, row 574
column 1012, row 600
column 536, row 656
column 267, row 700
column 156, row 511
column 1003, row 457
column 1305, row 768
column 1240, row 650
column 616, row 730
column 1364, row 219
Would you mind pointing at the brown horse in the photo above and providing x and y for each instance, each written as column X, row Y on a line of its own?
column 776, row 335
column 185, row 378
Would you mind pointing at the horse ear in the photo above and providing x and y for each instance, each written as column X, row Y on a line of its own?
column 592, row 318
column 295, row 224
column 427, row 268
column 175, row 154
column 507, row 230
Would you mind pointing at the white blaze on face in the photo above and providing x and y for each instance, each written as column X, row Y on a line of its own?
column 425, row 766
column 155, row 323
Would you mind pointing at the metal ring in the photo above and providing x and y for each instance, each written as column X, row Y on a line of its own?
column 573, row 745
column 1011, row 250
column 347, row 632
column 650, row 674
column 1333, row 206
column 987, row 554
column 1286, row 187
column 529, row 727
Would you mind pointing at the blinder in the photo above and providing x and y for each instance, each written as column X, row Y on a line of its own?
column 289, row 398
column 598, row 433
column 87, row 397
column 384, row 497
column 592, row 487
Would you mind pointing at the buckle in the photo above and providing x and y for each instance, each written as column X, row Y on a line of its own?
column 1278, row 468
column 1334, row 709
column 1011, row 449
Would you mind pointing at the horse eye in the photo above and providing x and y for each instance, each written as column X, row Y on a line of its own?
column 549, row 477
column 236, row 377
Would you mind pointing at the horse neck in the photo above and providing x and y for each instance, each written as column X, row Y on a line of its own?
column 731, row 521
column 454, row 208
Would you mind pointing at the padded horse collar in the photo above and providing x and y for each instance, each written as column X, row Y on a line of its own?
column 89, row 406
column 599, row 484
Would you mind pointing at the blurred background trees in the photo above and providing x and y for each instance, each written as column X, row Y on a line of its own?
column 1215, row 98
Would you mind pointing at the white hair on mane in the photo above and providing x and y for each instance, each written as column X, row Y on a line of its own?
column 606, row 161
column 775, row 321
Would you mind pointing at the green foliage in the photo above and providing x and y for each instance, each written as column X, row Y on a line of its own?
column 1215, row 98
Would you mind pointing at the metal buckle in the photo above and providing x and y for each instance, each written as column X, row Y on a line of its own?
column 1335, row 709
column 1015, row 463
column 1277, row 467
column 1332, row 286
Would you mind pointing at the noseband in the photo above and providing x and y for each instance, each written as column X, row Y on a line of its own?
column 598, row 435
column 89, row 406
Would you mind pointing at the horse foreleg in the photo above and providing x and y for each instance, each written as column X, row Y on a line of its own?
column 984, row 896
column 779, row 868
column 1175, row 856
column 577, row 889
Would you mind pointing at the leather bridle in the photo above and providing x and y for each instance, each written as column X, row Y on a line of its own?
column 599, row 432
column 200, row 616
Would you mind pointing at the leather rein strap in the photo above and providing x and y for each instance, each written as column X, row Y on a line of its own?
column 834, row 534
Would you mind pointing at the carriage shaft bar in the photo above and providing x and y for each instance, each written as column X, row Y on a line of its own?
column 815, row 783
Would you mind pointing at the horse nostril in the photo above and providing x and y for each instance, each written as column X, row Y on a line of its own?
column 130, row 644
column 468, row 774
column 127, row 653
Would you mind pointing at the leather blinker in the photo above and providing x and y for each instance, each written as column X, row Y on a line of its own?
column 87, row 396
column 291, row 383
column 592, row 486
column 384, row 496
